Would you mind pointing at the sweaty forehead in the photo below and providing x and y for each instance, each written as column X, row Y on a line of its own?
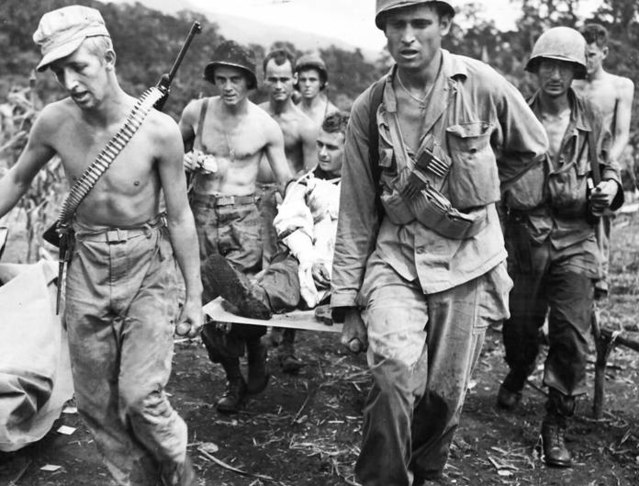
column 336, row 138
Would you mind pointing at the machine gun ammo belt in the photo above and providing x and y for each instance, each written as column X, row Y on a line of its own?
column 105, row 158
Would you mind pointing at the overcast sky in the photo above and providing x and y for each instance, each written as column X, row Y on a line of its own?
column 349, row 20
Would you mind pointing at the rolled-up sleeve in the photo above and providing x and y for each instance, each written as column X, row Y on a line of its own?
column 358, row 220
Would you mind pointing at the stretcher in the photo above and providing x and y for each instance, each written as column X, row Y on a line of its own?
column 218, row 311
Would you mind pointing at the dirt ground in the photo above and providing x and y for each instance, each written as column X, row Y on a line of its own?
column 306, row 429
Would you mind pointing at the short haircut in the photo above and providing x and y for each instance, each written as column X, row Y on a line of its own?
column 595, row 33
column 280, row 56
column 98, row 45
column 336, row 122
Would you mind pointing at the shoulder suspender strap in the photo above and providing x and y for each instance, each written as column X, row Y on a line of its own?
column 200, row 123
column 594, row 160
column 377, row 94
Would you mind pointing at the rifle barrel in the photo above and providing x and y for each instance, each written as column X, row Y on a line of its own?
column 196, row 28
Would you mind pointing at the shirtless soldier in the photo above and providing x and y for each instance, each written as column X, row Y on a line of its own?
column 312, row 79
column 612, row 95
column 299, row 145
column 118, row 304
column 230, row 135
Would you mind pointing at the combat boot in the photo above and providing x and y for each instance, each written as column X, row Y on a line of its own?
column 286, row 353
column 555, row 452
column 509, row 394
column 235, row 393
column 257, row 371
column 553, row 429
column 236, row 288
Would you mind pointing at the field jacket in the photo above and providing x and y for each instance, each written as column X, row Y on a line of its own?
column 563, row 215
column 467, row 93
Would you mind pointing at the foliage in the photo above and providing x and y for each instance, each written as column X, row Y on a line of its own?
column 147, row 41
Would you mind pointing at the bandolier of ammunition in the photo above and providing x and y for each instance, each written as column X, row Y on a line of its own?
column 105, row 158
column 143, row 105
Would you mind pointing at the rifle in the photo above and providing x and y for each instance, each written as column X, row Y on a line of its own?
column 164, row 84
column 60, row 233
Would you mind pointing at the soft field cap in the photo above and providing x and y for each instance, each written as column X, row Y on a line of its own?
column 61, row 32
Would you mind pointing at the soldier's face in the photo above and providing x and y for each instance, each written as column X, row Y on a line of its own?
column 594, row 57
column 414, row 35
column 330, row 151
column 232, row 84
column 309, row 83
column 84, row 76
column 555, row 76
column 279, row 80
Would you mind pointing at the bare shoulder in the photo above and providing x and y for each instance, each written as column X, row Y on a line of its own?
column 261, row 117
column 53, row 118
column 191, row 110
column 623, row 85
column 162, row 129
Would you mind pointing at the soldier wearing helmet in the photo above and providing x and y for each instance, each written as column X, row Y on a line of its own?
column 613, row 96
column 311, row 80
column 554, row 258
column 420, row 265
column 228, row 136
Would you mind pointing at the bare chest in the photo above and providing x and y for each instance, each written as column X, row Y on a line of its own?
column 555, row 130
column 240, row 142
column 129, row 170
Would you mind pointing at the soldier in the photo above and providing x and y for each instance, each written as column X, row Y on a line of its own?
column 118, row 301
column 299, row 145
column 554, row 259
column 312, row 80
column 230, row 135
column 612, row 95
column 419, row 268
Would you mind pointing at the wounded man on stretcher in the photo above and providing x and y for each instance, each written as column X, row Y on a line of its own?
column 299, row 276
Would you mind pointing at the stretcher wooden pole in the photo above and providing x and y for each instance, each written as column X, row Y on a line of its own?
column 297, row 319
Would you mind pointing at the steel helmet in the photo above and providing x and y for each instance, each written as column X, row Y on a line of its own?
column 562, row 44
column 384, row 6
column 307, row 61
column 231, row 54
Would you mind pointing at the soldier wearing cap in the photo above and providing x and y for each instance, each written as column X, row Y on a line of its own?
column 554, row 259
column 118, row 305
column 312, row 80
column 229, row 135
column 420, row 265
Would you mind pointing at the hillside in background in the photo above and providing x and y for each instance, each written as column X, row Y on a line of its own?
column 247, row 31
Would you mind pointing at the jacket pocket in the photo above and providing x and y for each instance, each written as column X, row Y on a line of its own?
column 529, row 191
column 567, row 188
column 473, row 179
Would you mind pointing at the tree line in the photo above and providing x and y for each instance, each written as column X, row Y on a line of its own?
column 147, row 41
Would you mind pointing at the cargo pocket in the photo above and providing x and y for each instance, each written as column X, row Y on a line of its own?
column 529, row 191
column 567, row 188
column 474, row 179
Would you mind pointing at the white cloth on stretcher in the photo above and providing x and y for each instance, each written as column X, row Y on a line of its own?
column 35, row 370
